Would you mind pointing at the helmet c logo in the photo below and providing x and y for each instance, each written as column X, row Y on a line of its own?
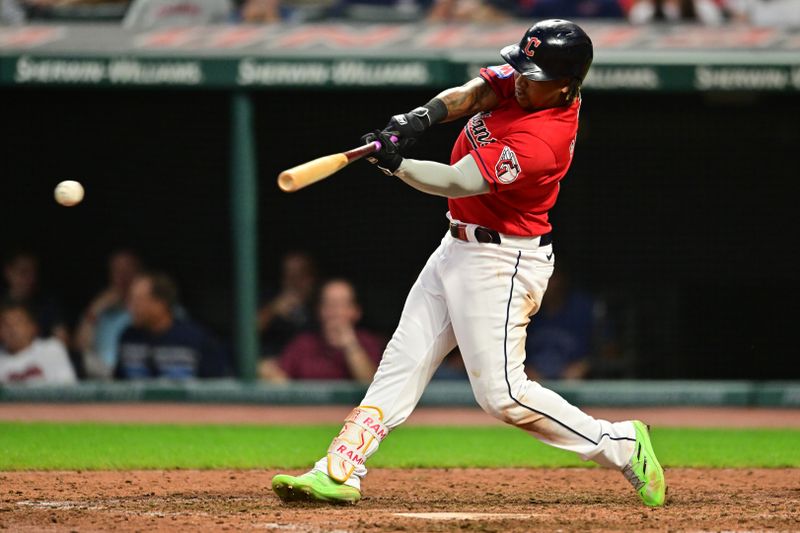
column 534, row 42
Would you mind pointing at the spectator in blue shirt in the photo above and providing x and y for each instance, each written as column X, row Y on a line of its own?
column 561, row 334
column 160, row 345
column 484, row 11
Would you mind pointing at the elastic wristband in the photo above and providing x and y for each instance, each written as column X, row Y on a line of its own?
column 437, row 111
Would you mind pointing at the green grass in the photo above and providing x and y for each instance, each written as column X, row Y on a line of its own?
column 50, row 446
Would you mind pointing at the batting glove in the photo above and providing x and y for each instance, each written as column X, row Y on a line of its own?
column 410, row 126
column 388, row 158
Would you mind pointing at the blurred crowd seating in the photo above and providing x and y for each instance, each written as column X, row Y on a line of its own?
column 144, row 14
column 310, row 328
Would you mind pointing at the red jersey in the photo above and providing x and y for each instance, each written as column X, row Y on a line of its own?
column 308, row 356
column 521, row 154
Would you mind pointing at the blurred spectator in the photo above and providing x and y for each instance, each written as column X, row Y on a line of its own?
column 102, row 324
column 148, row 14
column 561, row 335
column 260, row 11
column 385, row 11
column 466, row 11
column 769, row 13
column 452, row 367
column 74, row 10
column 339, row 350
column 291, row 11
column 21, row 273
column 23, row 357
column 705, row 11
column 299, row 11
column 160, row 345
column 289, row 312
column 11, row 13
column 503, row 10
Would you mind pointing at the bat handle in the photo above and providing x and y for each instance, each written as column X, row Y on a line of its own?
column 378, row 145
column 362, row 151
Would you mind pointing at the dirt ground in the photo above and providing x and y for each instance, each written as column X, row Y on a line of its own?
column 485, row 500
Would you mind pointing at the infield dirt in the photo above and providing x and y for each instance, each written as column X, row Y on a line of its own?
column 513, row 500
column 508, row 500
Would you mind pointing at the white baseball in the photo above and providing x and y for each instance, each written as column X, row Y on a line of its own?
column 69, row 193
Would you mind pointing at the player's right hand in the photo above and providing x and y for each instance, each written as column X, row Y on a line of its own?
column 408, row 127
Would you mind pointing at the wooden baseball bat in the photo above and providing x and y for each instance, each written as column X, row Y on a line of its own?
column 303, row 175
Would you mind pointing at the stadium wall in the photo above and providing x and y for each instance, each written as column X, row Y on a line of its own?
column 678, row 206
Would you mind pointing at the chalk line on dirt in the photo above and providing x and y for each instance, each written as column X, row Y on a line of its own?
column 466, row 516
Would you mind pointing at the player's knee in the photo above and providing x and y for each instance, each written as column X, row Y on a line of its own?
column 501, row 407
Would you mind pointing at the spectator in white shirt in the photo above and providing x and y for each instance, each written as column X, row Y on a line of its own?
column 26, row 358
column 705, row 12
column 97, row 335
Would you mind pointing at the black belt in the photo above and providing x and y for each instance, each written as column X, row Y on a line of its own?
column 486, row 235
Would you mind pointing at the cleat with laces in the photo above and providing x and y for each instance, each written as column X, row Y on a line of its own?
column 643, row 470
column 313, row 486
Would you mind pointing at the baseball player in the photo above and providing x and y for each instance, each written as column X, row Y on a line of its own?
column 487, row 278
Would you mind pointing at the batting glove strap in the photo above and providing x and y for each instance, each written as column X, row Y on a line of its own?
column 436, row 111
column 414, row 123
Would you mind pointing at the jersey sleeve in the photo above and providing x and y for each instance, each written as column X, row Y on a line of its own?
column 501, row 79
column 519, row 160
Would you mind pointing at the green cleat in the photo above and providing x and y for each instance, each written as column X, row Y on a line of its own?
column 643, row 470
column 313, row 486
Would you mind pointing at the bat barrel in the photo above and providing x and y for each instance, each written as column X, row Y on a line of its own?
column 296, row 178
column 286, row 181
column 313, row 171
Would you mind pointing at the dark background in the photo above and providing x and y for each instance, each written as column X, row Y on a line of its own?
column 679, row 209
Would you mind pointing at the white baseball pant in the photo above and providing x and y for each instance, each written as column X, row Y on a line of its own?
column 481, row 297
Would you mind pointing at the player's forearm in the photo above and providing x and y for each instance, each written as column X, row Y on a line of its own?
column 474, row 96
column 462, row 179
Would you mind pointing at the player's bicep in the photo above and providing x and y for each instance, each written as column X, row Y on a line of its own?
column 486, row 96
column 474, row 96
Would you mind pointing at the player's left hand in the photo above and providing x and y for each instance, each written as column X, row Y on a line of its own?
column 388, row 158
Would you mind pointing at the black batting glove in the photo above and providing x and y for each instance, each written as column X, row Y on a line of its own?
column 388, row 158
column 410, row 126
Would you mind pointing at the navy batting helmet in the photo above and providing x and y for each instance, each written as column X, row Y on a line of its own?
column 551, row 50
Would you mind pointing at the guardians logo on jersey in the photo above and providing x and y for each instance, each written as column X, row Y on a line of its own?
column 507, row 168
